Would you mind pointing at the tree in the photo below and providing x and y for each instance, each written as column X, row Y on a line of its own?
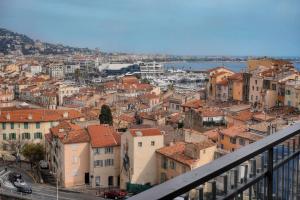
column 33, row 152
column 77, row 74
column 105, row 116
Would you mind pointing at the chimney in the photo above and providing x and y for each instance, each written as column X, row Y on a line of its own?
column 65, row 115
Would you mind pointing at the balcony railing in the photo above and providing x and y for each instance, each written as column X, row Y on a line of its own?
column 266, row 169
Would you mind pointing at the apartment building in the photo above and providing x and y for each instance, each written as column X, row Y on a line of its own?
column 104, row 156
column 138, row 157
column 292, row 94
column 68, row 154
column 31, row 125
column 216, row 75
column 182, row 157
column 235, row 137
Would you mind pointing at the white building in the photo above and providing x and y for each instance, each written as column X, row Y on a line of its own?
column 152, row 69
column 56, row 71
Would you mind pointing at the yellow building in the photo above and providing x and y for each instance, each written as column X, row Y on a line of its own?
column 19, row 126
column 68, row 154
column 104, row 156
column 215, row 76
column 181, row 157
column 138, row 157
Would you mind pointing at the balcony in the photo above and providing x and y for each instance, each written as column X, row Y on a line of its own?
column 266, row 169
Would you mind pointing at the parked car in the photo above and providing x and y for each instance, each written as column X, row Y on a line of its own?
column 115, row 194
column 22, row 186
column 16, row 179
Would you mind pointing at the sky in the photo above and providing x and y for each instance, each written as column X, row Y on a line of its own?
column 179, row 27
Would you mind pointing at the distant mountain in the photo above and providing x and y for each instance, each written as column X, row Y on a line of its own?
column 15, row 43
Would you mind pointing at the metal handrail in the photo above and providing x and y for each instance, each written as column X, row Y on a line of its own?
column 185, row 182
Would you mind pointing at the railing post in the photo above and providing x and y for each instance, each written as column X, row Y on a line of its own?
column 270, row 174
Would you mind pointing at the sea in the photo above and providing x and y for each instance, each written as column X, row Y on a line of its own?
column 237, row 66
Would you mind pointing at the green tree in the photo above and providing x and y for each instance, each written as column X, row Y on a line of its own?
column 33, row 152
column 77, row 74
column 105, row 116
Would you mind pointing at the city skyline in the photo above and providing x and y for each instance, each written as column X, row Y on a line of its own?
column 267, row 28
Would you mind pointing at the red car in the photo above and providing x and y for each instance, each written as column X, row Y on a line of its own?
column 115, row 194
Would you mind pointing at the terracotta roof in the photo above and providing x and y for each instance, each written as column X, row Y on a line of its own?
column 142, row 132
column 103, row 136
column 250, row 136
column 244, row 115
column 211, row 112
column 195, row 103
column 222, row 82
column 70, row 133
column 212, row 134
column 127, row 118
column 233, row 131
column 236, row 76
column 176, row 152
column 263, row 117
column 38, row 115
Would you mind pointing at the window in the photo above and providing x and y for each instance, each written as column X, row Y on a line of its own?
column 251, row 97
column 12, row 136
column 109, row 150
column 37, row 125
column 3, row 126
column 222, row 146
column 177, row 107
column 257, row 88
column 232, row 149
column 242, row 142
column 38, row 135
column 233, row 140
column 255, row 82
column 26, row 136
column 97, row 151
column 164, row 162
column 140, row 144
column 12, row 125
column 4, row 136
column 98, row 163
column 152, row 143
column 97, row 180
column 110, row 180
column 288, row 92
column 25, row 125
column 172, row 164
column 109, row 162
column 253, row 88
column 273, row 86
column 256, row 98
